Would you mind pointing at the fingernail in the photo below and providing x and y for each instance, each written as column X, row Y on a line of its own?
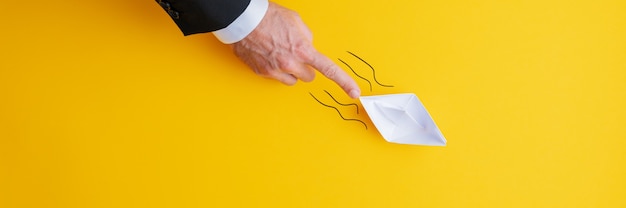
column 354, row 93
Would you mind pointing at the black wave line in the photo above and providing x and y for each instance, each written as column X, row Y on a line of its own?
column 354, row 104
column 368, row 82
column 373, row 71
column 347, row 119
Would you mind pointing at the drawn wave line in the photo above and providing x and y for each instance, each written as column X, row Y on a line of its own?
column 333, row 107
column 373, row 71
column 354, row 104
column 368, row 82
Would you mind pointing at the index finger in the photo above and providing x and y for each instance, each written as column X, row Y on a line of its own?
column 333, row 72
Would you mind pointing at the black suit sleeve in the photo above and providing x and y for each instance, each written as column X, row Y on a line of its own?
column 199, row 16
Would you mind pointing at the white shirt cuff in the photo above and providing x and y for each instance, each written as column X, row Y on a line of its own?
column 244, row 24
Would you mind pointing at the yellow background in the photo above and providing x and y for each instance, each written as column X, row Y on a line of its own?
column 106, row 104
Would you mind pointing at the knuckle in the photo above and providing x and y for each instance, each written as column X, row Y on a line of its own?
column 303, row 51
column 329, row 72
column 285, row 65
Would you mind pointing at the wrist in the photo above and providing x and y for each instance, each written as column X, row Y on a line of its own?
column 245, row 23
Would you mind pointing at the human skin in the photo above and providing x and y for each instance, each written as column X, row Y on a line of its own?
column 281, row 48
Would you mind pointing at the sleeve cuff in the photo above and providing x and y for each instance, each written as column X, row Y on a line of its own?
column 244, row 24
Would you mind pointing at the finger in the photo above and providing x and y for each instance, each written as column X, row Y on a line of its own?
column 308, row 73
column 302, row 72
column 285, row 78
column 265, row 70
column 333, row 72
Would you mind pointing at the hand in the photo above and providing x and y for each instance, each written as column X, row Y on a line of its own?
column 280, row 47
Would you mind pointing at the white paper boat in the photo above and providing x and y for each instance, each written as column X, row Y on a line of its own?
column 401, row 118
